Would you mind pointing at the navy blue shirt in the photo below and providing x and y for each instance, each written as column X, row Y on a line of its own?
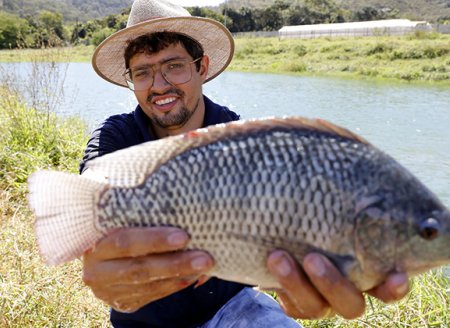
column 189, row 307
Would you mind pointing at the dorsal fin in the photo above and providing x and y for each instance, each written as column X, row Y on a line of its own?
column 131, row 166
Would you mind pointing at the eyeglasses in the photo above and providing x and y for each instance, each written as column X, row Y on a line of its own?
column 175, row 71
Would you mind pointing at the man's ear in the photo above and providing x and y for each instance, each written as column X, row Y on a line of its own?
column 204, row 66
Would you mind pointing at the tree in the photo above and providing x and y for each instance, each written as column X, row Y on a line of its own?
column 13, row 31
column 205, row 12
column 268, row 19
column 316, row 12
column 51, row 30
column 239, row 20
column 366, row 14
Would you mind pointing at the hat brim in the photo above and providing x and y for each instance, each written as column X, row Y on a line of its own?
column 217, row 42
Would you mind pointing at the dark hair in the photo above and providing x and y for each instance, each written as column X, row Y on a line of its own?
column 155, row 42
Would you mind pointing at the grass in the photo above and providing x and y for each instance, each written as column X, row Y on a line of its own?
column 416, row 57
column 31, row 294
column 72, row 54
column 427, row 305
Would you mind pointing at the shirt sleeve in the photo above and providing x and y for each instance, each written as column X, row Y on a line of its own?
column 117, row 132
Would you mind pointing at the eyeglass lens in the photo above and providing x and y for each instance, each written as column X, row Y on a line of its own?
column 177, row 71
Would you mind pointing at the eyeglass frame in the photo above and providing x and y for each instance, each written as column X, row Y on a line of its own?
column 130, row 82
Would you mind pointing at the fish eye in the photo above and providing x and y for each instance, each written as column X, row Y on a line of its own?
column 429, row 228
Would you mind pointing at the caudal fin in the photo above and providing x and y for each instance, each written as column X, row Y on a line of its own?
column 64, row 206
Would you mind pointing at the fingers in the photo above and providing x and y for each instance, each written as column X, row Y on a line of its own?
column 133, row 242
column 133, row 267
column 393, row 289
column 298, row 297
column 146, row 268
column 319, row 293
column 343, row 297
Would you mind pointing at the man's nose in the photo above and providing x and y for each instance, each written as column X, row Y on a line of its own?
column 159, row 81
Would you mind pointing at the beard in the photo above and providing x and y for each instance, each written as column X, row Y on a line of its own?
column 170, row 119
column 174, row 119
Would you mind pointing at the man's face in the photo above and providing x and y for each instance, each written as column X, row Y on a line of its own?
column 170, row 106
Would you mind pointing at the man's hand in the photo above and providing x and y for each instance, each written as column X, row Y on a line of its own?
column 320, row 291
column 136, row 266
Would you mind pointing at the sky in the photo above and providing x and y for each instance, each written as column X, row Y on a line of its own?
column 198, row 3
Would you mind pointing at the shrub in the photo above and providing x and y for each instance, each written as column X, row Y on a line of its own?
column 33, row 139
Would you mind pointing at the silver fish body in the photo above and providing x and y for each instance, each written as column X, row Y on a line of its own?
column 244, row 189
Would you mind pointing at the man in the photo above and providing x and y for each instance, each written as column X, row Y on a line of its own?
column 165, row 55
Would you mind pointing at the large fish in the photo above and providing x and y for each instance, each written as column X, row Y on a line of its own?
column 246, row 188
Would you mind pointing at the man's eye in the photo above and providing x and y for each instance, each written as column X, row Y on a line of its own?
column 141, row 73
column 176, row 65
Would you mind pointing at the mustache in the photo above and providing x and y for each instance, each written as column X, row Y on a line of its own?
column 176, row 91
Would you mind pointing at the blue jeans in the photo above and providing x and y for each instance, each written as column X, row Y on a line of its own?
column 251, row 308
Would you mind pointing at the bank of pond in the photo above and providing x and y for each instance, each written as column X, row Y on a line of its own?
column 416, row 57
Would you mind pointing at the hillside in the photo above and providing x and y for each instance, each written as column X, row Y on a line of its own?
column 72, row 10
column 431, row 10
column 83, row 10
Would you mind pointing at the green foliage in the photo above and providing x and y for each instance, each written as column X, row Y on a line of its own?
column 379, row 48
column 46, row 28
column 402, row 58
column 12, row 31
column 427, row 305
column 50, row 30
column 99, row 36
column 300, row 50
column 34, row 139
column 424, row 52
column 206, row 12
column 71, row 10
column 430, row 10
column 32, row 294
column 95, row 31
column 43, row 30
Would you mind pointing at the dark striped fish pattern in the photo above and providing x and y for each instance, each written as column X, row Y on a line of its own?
column 246, row 188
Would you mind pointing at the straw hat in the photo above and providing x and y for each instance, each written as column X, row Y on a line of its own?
column 150, row 16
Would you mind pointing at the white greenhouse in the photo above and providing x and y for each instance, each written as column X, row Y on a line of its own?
column 369, row 28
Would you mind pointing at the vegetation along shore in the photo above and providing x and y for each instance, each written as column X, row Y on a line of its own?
column 423, row 57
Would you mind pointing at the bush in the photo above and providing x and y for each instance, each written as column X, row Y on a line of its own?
column 300, row 50
column 12, row 31
column 33, row 139
column 99, row 36
column 379, row 48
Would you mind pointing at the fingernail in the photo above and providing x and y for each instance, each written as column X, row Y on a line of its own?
column 401, row 284
column 281, row 265
column 177, row 238
column 200, row 263
column 186, row 281
column 315, row 265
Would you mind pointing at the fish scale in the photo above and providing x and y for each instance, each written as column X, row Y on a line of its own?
column 227, row 213
column 244, row 189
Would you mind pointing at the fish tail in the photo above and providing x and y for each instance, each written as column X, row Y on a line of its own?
column 64, row 208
